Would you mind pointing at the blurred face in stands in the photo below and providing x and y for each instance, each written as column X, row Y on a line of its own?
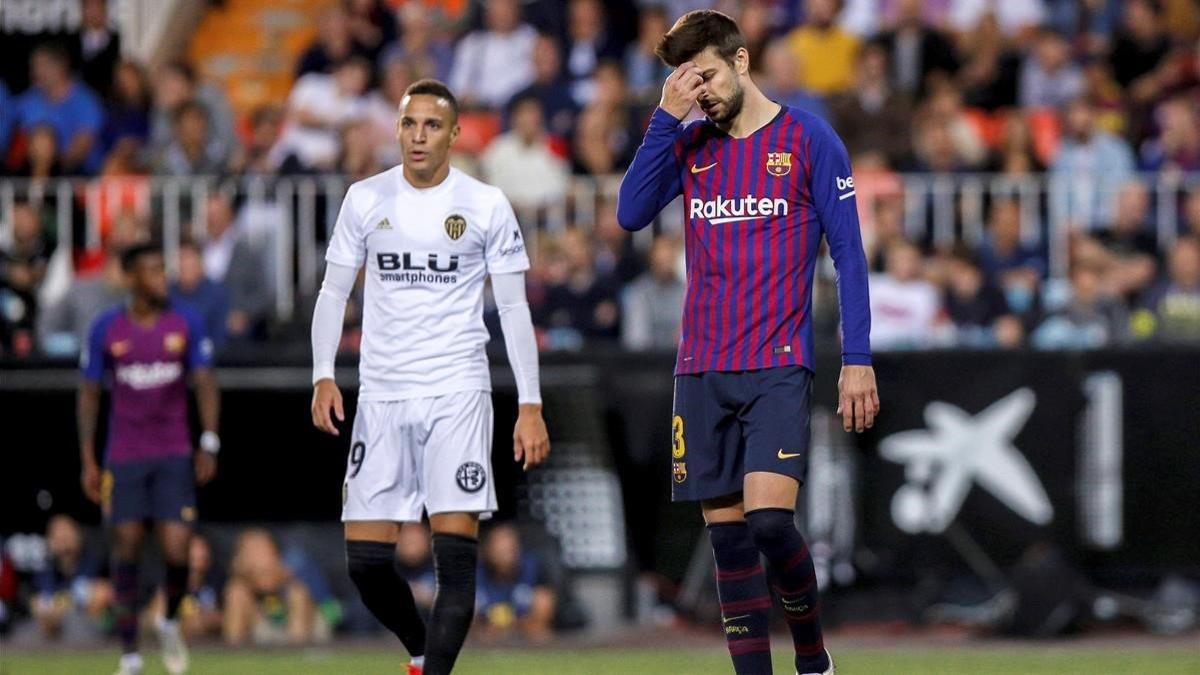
column 191, row 268
column 663, row 258
column 781, row 67
column 503, row 550
column 872, row 65
column 352, row 77
column 964, row 277
column 27, row 227
column 1140, row 20
column 192, row 128
column 1185, row 263
column 610, row 84
column 43, row 146
column 257, row 561
column 908, row 13
column 94, row 14
column 148, row 279
column 652, row 24
column 1052, row 51
column 1006, row 224
column 546, row 60
column 1133, row 203
column 47, row 70
column 63, row 538
column 199, row 556
column 171, row 87
column 1085, row 284
column 502, row 15
column 427, row 128
column 219, row 214
column 585, row 19
column 822, row 12
column 335, row 31
column 396, row 78
column 129, row 83
column 268, row 122
column 527, row 120
column 903, row 261
column 577, row 250
column 1080, row 120
column 722, row 96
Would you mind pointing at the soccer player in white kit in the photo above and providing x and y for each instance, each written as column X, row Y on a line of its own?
column 428, row 236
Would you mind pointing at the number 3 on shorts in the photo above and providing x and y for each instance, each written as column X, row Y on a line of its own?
column 678, row 449
column 358, row 452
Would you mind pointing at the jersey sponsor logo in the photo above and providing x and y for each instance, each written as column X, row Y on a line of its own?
column 418, row 268
column 702, row 169
column 738, row 209
column 517, row 245
column 471, row 476
column 149, row 375
column 456, row 225
column 779, row 164
column 174, row 343
column 383, row 224
column 844, row 184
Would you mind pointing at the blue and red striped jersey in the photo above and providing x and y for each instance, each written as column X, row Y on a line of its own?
column 755, row 209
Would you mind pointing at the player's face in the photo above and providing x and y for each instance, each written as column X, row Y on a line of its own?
column 722, row 96
column 148, row 278
column 426, row 129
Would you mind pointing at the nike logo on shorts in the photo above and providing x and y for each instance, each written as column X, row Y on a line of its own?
column 787, row 455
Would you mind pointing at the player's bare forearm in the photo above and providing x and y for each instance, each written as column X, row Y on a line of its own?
column 87, row 410
column 327, row 396
column 208, row 399
column 858, row 397
column 531, row 440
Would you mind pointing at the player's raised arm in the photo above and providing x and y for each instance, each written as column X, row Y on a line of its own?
column 652, row 180
column 346, row 254
column 833, row 195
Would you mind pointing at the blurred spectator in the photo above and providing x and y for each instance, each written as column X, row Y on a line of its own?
column 63, row 327
column 652, row 305
column 888, row 229
column 827, row 53
column 588, row 43
column 266, row 126
column 1176, row 149
column 357, row 159
column 1049, row 79
column 1133, row 247
column 265, row 601
column 493, row 64
column 1015, row 19
column 233, row 259
column 193, row 149
column 1170, row 312
column 318, row 107
column 71, row 598
column 42, row 159
column 871, row 116
column 200, row 612
column 1140, row 47
column 382, row 110
column 644, row 71
column 754, row 20
column 1092, row 162
column 780, row 80
column 175, row 84
column 372, row 26
column 945, row 138
column 1016, row 156
column 334, row 44
column 97, row 45
column 976, row 307
column 128, row 113
column 916, row 51
column 550, row 88
column 66, row 105
column 990, row 68
column 1014, row 266
column 1092, row 23
column 904, row 307
column 209, row 298
column 616, row 258
column 23, row 265
column 578, row 300
column 605, row 135
column 422, row 45
column 1092, row 318
column 514, row 594
column 543, row 175
column 1105, row 95
column 414, row 560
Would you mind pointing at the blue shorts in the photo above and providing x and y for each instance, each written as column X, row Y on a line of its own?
column 156, row 489
column 726, row 425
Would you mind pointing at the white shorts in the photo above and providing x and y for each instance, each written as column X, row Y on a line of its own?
column 423, row 454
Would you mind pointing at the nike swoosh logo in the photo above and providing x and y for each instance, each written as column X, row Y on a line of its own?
column 699, row 169
column 787, row 455
column 735, row 618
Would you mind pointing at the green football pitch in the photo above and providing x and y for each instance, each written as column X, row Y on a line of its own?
column 971, row 661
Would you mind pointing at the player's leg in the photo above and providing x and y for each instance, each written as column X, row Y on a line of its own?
column 380, row 490
column 456, row 466
column 776, row 429
column 706, row 454
column 174, row 538
column 125, row 500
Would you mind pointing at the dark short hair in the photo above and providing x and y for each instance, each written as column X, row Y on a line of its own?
column 431, row 87
column 55, row 50
column 134, row 252
column 696, row 31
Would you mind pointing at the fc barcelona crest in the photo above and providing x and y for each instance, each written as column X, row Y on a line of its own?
column 779, row 163
column 456, row 225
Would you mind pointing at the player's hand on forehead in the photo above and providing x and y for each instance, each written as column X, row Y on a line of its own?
column 681, row 89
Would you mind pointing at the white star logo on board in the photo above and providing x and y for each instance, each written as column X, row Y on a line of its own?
column 958, row 450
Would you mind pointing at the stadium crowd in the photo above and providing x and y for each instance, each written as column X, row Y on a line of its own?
column 553, row 91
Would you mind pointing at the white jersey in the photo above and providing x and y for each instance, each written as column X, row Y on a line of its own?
column 427, row 253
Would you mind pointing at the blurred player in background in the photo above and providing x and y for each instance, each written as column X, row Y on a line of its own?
column 761, row 184
column 429, row 236
column 151, row 347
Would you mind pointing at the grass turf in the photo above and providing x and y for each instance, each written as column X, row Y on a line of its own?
column 973, row 661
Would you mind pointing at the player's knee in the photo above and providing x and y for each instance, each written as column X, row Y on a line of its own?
column 771, row 528
column 368, row 562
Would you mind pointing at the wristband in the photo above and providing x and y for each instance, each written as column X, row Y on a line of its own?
column 210, row 442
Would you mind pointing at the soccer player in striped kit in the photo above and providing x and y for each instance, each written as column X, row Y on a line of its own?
column 761, row 183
